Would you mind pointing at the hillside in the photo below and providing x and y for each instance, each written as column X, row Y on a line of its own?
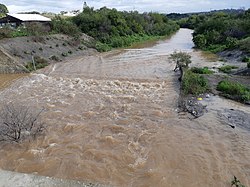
column 15, row 53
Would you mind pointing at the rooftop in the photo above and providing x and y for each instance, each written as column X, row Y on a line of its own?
column 30, row 17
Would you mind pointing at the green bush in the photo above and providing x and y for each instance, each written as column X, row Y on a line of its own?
column 55, row 58
column 193, row 83
column 248, row 65
column 204, row 70
column 245, row 59
column 39, row 63
column 227, row 68
column 234, row 90
column 101, row 47
column 19, row 32
column 61, row 25
column 244, row 44
column 64, row 54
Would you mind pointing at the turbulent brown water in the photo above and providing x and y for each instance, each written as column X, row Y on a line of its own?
column 111, row 118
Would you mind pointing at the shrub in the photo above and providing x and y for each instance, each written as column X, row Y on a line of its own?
column 57, row 45
column 70, row 52
column 245, row 44
column 19, row 32
column 64, row 26
column 18, row 122
column 64, row 54
column 227, row 68
column 245, row 59
column 248, row 65
column 40, row 48
column 234, row 90
column 81, row 47
column 194, row 83
column 39, row 64
column 204, row 70
column 101, row 47
column 182, row 59
column 55, row 58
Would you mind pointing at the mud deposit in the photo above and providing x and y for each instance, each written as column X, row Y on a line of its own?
column 112, row 119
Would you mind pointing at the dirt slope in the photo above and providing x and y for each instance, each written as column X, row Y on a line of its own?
column 16, row 52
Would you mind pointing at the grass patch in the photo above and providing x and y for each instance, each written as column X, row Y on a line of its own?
column 227, row 68
column 39, row 64
column 193, row 83
column 235, row 91
column 203, row 70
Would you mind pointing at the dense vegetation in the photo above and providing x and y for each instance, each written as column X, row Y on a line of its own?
column 112, row 28
column 220, row 31
column 193, row 83
column 234, row 90
column 3, row 10
column 109, row 27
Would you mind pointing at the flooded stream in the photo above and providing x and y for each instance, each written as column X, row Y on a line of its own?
column 111, row 118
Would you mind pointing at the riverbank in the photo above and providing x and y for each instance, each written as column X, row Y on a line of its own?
column 28, row 180
column 17, row 53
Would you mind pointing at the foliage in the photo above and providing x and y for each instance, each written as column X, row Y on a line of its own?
column 234, row 90
column 55, row 58
column 244, row 44
column 39, row 64
column 236, row 183
column 3, row 10
column 17, row 122
column 219, row 31
column 182, row 59
column 193, row 83
column 248, row 65
column 65, row 26
column 203, row 70
column 5, row 33
column 101, row 47
column 112, row 28
column 245, row 59
column 227, row 68
column 32, row 29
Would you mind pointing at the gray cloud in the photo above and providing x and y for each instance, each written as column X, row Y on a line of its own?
column 164, row 6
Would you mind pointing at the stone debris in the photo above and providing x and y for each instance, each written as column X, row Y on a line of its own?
column 192, row 106
column 235, row 118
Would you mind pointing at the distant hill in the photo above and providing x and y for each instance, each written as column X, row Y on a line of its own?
column 177, row 16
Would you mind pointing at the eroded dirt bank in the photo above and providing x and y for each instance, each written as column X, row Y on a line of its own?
column 111, row 118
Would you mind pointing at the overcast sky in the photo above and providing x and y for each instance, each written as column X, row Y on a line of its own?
column 163, row 6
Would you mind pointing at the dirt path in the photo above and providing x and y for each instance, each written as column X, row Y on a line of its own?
column 112, row 119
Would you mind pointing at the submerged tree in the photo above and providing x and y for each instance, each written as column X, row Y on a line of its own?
column 181, row 59
column 17, row 122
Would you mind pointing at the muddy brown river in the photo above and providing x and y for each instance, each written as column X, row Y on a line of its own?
column 111, row 118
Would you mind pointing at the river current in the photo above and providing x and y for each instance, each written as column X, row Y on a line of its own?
column 112, row 118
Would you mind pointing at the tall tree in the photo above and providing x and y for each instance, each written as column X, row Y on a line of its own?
column 3, row 9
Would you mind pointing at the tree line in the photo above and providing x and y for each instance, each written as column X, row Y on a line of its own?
column 113, row 28
column 220, row 31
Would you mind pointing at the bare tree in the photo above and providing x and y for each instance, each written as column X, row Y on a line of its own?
column 18, row 122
